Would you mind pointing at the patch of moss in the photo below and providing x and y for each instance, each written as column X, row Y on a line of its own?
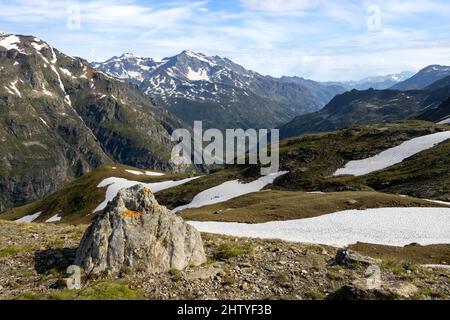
column 102, row 290
column 7, row 251
column 176, row 275
column 229, row 250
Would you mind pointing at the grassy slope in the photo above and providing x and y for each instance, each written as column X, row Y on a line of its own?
column 271, row 205
column 425, row 175
column 184, row 194
column 311, row 160
column 433, row 254
column 76, row 201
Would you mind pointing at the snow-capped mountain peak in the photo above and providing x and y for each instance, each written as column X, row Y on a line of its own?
column 128, row 66
column 192, row 80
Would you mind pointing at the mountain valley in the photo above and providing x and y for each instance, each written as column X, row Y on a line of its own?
column 86, row 157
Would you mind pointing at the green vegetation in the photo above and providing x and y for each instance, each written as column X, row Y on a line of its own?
column 7, row 251
column 229, row 250
column 425, row 175
column 101, row 290
column 314, row 294
column 176, row 275
column 432, row 254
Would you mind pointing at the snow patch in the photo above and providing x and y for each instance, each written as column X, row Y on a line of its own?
column 148, row 173
column 438, row 202
column 137, row 173
column 229, row 190
column 43, row 121
column 199, row 75
column 66, row 72
column 393, row 155
column 10, row 42
column 38, row 46
column 46, row 92
column 154, row 174
column 29, row 218
column 67, row 100
column 12, row 89
column 55, row 218
column 54, row 58
column 446, row 121
column 115, row 184
column 388, row 226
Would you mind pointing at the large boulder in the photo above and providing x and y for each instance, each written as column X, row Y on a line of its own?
column 135, row 232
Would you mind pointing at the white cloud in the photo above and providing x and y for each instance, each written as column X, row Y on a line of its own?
column 279, row 5
column 324, row 40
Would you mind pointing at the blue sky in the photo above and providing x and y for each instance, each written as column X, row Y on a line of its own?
column 318, row 39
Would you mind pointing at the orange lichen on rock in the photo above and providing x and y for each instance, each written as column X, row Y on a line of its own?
column 131, row 214
column 146, row 190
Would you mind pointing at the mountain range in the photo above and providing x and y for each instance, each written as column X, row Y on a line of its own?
column 376, row 82
column 424, row 78
column 218, row 91
column 61, row 118
column 374, row 106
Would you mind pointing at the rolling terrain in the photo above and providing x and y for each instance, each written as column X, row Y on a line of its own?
column 309, row 162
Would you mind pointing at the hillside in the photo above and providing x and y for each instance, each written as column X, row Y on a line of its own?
column 357, row 108
column 368, row 107
column 310, row 161
column 440, row 114
column 60, row 119
column 76, row 201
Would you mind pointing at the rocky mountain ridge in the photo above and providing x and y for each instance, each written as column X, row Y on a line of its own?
column 60, row 118
column 423, row 78
column 194, row 86
column 369, row 107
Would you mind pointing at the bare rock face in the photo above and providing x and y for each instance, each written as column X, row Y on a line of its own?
column 135, row 232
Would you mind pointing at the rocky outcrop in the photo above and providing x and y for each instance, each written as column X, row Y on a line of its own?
column 348, row 257
column 358, row 290
column 135, row 232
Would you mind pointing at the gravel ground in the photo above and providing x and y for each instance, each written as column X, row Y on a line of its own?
column 33, row 255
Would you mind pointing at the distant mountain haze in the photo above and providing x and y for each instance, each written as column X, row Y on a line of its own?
column 423, row 78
